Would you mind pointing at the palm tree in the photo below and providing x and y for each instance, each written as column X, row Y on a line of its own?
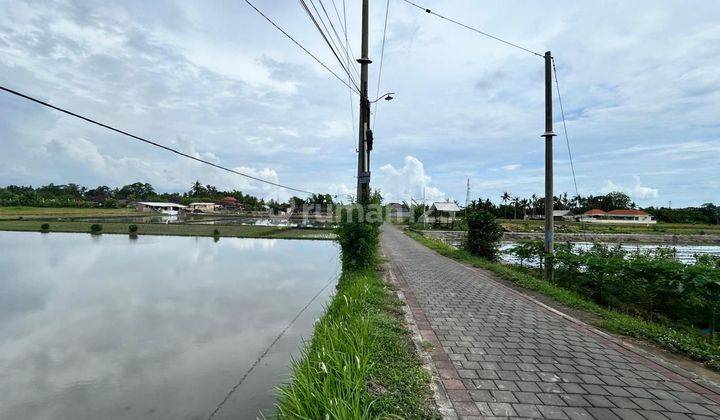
column 505, row 197
column 533, row 203
column 515, row 201
column 524, row 205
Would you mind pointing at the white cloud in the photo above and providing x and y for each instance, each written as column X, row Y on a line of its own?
column 638, row 193
column 408, row 181
column 512, row 167
column 642, row 192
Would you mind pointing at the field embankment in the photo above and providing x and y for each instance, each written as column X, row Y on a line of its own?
column 51, row 212
column 172, row 229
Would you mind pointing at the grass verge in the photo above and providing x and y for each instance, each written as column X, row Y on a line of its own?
column 678, row 338
column 172, row 229
column 360, row 362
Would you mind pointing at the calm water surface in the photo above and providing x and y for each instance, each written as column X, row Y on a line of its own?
column 153, row 328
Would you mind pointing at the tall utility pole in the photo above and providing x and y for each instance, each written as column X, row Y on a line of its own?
column 365, row 137
column 549, row 223
column 467, row 194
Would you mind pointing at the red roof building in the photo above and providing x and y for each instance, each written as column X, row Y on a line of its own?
column 617, row 216
column 628, row 212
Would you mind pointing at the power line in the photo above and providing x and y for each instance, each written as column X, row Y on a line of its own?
column 330, row 43
column 567, row 139
column 382, row 56
column 337, row 36
column 301, row 47
column 347, row 42
column 325, row 34
column 472, row 29
column 144, row 140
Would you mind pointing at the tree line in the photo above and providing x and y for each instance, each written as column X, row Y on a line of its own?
column 516, row 207
column 74, row 195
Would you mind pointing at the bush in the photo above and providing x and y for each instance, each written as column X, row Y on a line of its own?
column 132, row 228
column 529, row 251
column 216, row 232
column 45, row 227
column 484, row 234
column 358, row 238
column 652, row 283
column 95, row 229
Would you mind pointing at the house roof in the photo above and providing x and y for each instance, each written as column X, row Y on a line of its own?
column 203, row 204
column 159, row 204
column 594, row 212
column 398, row 206
column 230, row 199
column 627, row 212
column 445, row 206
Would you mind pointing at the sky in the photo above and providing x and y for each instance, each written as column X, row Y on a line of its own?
column 640, row 84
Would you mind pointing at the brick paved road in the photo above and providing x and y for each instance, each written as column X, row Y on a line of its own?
column 502, row 355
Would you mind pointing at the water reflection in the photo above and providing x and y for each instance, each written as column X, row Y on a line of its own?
column 155, row 327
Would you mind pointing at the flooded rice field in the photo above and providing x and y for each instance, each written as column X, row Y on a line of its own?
column 108, row 327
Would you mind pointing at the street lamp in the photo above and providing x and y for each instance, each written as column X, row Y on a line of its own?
column 387, row 96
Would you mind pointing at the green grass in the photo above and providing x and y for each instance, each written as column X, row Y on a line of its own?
column 173, row 229
column 14, row 212
column 360, row 363
column 575, row 227
column 678, row 338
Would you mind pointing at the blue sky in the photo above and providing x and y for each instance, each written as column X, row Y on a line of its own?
column 640, row 83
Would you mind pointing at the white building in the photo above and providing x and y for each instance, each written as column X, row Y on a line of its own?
column 203, row 207
column 617, row 216
column 164, row 208
column 442, row 212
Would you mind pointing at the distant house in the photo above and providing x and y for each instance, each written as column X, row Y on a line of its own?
column 443, row 213
column 399, row 210
column 231, row 203
column 164, row 208
column 203, row 207
column 562, row 215
column 628, row 216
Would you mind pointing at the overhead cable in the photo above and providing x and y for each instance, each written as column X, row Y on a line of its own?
column 425, row 9
column 144, row 140
column 354, row 89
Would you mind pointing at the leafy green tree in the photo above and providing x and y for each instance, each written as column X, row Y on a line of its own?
column 484, row 234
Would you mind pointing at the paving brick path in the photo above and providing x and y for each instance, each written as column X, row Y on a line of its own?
column 500, row 354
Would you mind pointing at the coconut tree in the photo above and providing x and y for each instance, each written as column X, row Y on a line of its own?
column 505, row 197
column 516, row 202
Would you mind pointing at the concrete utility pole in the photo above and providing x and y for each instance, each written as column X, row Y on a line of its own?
column 365, row 137
column 467, row 194
column 549, row 223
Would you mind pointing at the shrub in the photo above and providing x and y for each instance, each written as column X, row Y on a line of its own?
column 216, row 232
column 45, row 227
column 358, row 238
column 529, row 251
column 95, row 229
column 483, row 235
column 132, row 228
column 654, row 283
